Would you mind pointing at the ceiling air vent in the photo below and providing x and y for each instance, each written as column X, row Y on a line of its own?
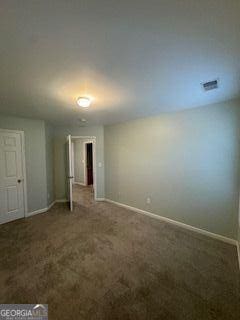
column 210, row 85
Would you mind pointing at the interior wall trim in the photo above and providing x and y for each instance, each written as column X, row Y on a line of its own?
column 155, row 216
column 33, row 213
column 177, row 223
column 79, row 183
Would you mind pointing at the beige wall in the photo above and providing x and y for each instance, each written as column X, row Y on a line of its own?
column 60, row 161
column 186, row 162
column 49, row 163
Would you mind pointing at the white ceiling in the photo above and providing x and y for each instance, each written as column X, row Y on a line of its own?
column 134, row 57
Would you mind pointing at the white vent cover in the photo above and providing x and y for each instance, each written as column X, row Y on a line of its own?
column 210, row 85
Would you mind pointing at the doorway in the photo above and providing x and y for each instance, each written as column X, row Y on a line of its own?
column 82, row 170
column 13, row 199
column 88, row 163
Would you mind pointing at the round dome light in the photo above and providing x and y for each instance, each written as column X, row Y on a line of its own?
column 84, row 102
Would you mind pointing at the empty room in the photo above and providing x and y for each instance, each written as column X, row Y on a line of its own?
column 120, row 159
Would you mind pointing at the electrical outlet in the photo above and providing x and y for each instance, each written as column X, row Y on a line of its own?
column 148, row 200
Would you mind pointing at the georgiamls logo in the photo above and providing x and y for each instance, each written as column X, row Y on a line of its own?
column 39, row 311
column 23, row 312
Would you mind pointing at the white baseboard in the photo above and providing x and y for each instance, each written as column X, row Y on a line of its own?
column 180, row 224
column 80, row 184
column 155, row 216
column 61, row 200
column 33, row 213
column 51, row 205
column 100, row 199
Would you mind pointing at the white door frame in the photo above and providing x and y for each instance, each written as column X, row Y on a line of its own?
column 93, row 140
column 22, row 135
column 70, row 162
column 73, row 164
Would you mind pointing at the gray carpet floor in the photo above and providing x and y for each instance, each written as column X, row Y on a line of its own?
column 105, row 262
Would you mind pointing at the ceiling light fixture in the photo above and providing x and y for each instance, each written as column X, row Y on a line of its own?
column 84, row 102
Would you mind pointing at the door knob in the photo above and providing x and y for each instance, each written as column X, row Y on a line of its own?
column 19, row 181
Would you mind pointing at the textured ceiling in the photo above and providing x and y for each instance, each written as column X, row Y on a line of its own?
column 135, row 58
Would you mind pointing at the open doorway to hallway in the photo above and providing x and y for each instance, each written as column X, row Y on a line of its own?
column 83, row 170
column 88, row 149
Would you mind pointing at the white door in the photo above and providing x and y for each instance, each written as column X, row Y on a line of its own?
column 70, row 173
column 11, row 177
